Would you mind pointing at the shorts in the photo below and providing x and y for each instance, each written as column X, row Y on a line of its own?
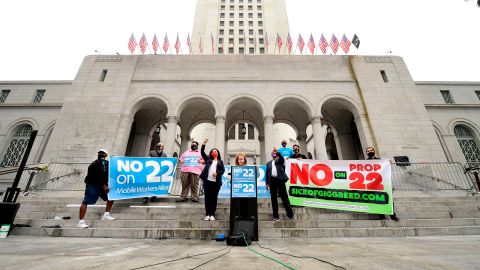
column 92, row 193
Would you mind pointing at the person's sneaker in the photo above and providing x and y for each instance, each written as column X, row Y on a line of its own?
column 82, row 224
column 395, row 218
column 181, row 200
column 195, row 200
column 212, row 218
column 276, row 219
column 207, row 218
column 291, row 219
column 145, row 200
column 107, row 216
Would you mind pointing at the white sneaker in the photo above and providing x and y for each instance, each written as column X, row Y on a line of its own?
column 212, row 218
column 82, row 224
column 107, row 216
column 207, row 218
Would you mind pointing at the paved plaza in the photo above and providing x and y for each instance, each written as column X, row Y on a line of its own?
column 446, row 252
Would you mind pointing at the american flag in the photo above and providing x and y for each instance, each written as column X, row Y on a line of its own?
column 289, row 43
column 311, row 44
column 132, row 43
column 166, row 44
column 323, row 44
column 200, row 45
column 143, row 43
column 356, row 41
column 155, row 43
column 189, row 44
column 266, row 42
column 279, row 42
column 345, row 44
column 300, row 43
column 178, row 46
column 334, row 44
column 213, row 42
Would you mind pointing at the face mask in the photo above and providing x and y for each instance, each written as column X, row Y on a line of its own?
column 274, row 155
column 160, row 149
column 194, row 147
column 371, row 154
column 296, row 150
column 214, row 154
column 284, row 144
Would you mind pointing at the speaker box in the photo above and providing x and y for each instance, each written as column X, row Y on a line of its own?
column 243, row 232
column 8, row 212
column 403, row 160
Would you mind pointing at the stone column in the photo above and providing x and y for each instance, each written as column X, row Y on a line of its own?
column 302, row 141
column 261, row 140
column 220, row 134
column 184, row 145
column 269, row 143
column 171, row 133
column 319, row 139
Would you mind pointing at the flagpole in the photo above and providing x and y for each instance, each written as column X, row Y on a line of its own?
column 148, row 45
column 294, row 52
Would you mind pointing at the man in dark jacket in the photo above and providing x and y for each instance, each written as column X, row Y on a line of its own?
column 96, row 186
column 296, row 153
column 371, row 155
column 275, row 181
column 158, row 152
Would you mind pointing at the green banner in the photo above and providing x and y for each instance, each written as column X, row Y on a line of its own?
column 349, row 185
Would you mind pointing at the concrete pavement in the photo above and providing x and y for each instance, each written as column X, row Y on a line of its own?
column 445, row 252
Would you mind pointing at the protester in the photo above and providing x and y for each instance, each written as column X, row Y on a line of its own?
column 285, row 151
column 371, row 155
column 158, row 152
column 191, row 168
column 240, row 159
column 296, row 153
column 96, row 186
column 275, row 181
column 212, row 179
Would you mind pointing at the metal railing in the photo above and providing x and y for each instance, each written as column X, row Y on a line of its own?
column 405, row 176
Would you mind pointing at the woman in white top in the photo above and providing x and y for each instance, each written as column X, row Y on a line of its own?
column 212, row 179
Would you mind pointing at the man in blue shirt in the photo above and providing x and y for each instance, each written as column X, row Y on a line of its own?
column 285, row 151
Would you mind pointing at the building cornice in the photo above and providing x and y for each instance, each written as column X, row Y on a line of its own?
column 452, row 105
column 449, row 83
column 36, row 83
column 32, row 105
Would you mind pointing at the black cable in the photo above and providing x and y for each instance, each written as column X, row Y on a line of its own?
column 211, row 260
column 304, row 257
column 178, row 259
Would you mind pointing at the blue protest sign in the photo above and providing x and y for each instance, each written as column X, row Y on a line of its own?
column 137, row 177
column 191, row 161
column 262, row 191
column 225, row 189
column 244, row 181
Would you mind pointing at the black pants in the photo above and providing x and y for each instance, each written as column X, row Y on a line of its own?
column 211, row 190
column 278, row 186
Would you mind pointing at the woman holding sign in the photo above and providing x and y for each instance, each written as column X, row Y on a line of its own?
column 212, row 179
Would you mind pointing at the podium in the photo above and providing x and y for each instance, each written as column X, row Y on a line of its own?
column 243, row 205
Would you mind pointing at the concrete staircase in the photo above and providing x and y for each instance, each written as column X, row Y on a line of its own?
column 420, row 215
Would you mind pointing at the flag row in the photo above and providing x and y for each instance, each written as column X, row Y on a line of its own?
column 311, row 46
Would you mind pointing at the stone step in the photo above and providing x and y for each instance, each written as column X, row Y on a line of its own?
column 218, row 224
column 208, row 233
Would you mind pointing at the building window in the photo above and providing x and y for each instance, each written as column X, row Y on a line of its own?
column 240, row 32
column 259, row 15
column 478, row 94
column 250, row 32
column 250, row 8
column 468, row 143
column 240, row 41
column 259, row 1
column 4, row 95
column 384, row 75
column 250, row 23
column 222, row 15
column 251, row 50
column 223, row 1
column 230, row 23
column 260, row 23
column 240, row 8
column 220, row 50
column 240, row 15
column 249, row 1
column 250, row 15
column 230, row 32
column 259, row 7
column 220, row 40
column 240, row 23
column 232, row 7
column 232, row 15
column 260, row 32
column 447, row 96
column 230, row 41
column 250, row 40
column 241, row 50
column 38, row 96
column 103, row 75
column 260, row 40
column 230, row 50
column 251, row 132
column 221, row 32
column 222, row 23
column 222, row 7
column 262, row 50
column 232, row 1
column 241, row 1
column 16, row 146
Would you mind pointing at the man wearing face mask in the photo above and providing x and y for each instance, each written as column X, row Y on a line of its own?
column 275, row 181
column 191, row 162
column 296, row 152
column 158, row 152
column 96, row 186
column 371, row 155
column 285, row 151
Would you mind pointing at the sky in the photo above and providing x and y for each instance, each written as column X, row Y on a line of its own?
column 47, row 40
